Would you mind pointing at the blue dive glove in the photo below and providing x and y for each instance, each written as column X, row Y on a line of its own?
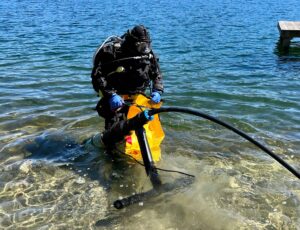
column 115, row 102
column 155, row 97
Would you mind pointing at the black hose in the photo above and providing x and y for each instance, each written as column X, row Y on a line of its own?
column 226, row 125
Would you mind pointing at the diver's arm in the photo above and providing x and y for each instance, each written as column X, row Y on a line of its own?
column 95, row 79
column 99, row 72
column 100, row 84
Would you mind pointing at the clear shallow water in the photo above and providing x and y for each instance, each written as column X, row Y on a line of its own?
column 217, row 56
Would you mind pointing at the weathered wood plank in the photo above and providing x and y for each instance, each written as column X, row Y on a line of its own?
column 289, row 25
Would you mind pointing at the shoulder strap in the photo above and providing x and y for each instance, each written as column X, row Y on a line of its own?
column 111, row 40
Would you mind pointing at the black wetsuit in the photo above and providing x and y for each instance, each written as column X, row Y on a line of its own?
column 117, row 70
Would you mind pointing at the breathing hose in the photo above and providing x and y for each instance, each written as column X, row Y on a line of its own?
column 230, row 127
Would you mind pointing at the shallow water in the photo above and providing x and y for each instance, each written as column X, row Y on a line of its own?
column 216, row 56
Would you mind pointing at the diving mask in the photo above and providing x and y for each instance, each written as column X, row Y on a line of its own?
column 143, row 47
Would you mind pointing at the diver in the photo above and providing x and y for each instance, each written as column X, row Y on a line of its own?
column 122, row 67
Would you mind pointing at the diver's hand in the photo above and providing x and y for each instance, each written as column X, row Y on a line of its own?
column 155, row 97
column 115, row 102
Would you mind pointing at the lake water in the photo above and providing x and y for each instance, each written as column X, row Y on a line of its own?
column 219, row 57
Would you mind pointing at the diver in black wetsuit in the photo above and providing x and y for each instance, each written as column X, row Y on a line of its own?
column 125, row 66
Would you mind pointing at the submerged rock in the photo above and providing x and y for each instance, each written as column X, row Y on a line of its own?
column 26, row 166
column 80, row 180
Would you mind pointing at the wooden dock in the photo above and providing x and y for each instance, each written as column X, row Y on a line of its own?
column 288, row 30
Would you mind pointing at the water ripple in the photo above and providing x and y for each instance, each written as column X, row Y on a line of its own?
column 218, row 56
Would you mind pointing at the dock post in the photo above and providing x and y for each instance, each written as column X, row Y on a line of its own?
column 284, row 42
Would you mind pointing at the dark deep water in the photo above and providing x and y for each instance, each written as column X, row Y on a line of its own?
column 216, row 56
